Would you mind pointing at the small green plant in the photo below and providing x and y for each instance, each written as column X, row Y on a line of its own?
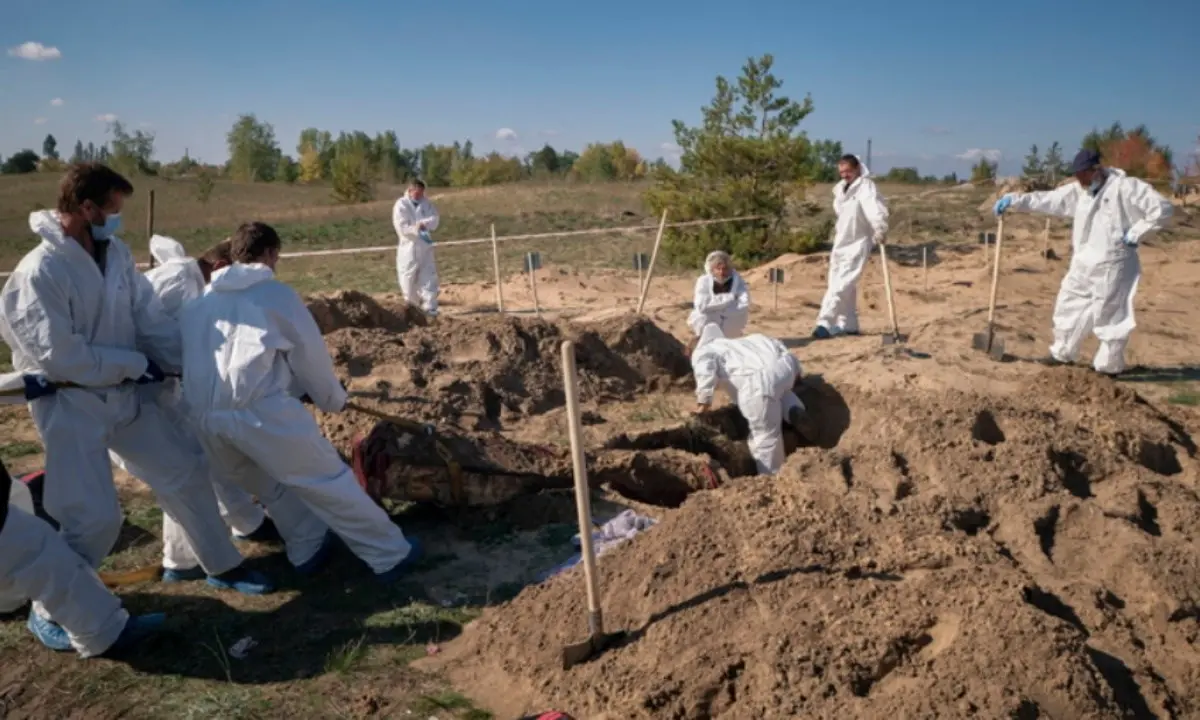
column 204, row 186
column 346, row 657
column 21, row 448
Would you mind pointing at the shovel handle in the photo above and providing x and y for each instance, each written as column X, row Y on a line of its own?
column 887, row 285
column 995, row 272
column 583, row 501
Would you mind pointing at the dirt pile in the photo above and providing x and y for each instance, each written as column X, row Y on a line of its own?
column 354, row 309
column 953, row 556
column 494, row 368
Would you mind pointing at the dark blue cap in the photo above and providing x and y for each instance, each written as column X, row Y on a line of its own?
column 1085, row 160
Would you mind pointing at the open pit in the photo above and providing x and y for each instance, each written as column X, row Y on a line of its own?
column 947, row 553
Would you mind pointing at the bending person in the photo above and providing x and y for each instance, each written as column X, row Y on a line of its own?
column 248, row 342
column 758, row 373
column 76, row 310
column 721, row 297
column 414, row 217
column 1112, row 212
column 177, row 280
column 862, row 221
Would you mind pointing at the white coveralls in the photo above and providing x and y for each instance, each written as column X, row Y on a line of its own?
column 36, row 563
column 1098, row 290
column 862, row 220
column 70, row 322
column 177, row 280
column 758, row 372
column 250, row 343
column 416, row 267
column 729, row 311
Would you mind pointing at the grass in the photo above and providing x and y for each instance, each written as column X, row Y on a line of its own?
column 1190, row 398
column 19, row 449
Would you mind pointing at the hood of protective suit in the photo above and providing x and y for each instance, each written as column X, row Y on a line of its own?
column 239, row 276
column 863, row 172
column 164, row 249
column 48, row 226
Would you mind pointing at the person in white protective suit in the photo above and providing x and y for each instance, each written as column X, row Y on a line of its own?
column 721, row 297
column 179, row 279
column 414, row 218
column 758, row 373
column 36, row 563
column 75, row 310
column 1112, row 212
column 862, row 221
column 250, row 346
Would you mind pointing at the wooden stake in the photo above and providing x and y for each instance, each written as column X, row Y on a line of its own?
column 537, row 308
column 925, row 266
column 1046, row 242
column 496, row 268
column 662, row 225
column 150, row 224
column 775, row 296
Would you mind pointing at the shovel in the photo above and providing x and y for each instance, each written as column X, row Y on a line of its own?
column 894, row 337
column 597, row 639
column 987, row 341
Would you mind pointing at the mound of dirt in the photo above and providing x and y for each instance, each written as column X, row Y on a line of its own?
column 354, row 309
column 953, row 556
column 496, row 367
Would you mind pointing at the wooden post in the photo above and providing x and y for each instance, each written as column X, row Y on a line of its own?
column 662, row 225
column 925, row 265
column 1046, row 242
column 533, row 261
column 150, row 224
column 775, row 297
column 496, row 269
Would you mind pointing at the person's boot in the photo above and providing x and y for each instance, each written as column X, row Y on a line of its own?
column 388, row 577
column 266, row 532
column 821, row 333
column 242, row 580
column 48, row 632
column 137, row 630
column 315, row 563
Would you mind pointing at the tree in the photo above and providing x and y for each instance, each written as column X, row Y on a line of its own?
column 204, row 185
column 131, row 154
column 1135, row 151
column 392, row 166
column 25, row 161
column 951, row 179
column 826, row 154
column 77, row 155
column 316, row 153
column 350, row 174
column 747, row 157
column 50, row 147
column 905, row 175
column 595, row 164
column 253, row 151
column 983, row 170
column 1033, row 168
column 543, row 162
column 1055, row 167
column 287, row 170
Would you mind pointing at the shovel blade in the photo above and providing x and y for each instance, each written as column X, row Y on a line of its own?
column 894, row 339
column 581, row 652
column 997, row 351
column 987, row 342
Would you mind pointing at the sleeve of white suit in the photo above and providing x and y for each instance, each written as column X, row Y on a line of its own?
column 404, row 220
column 157, row 332
column 874, row 206
column 1153, row 208
column 431, row 222
column 1059, row 202
column 742, row 291
column 309, row 358
column 704, row 368
column 39, row 315
column 702, row 296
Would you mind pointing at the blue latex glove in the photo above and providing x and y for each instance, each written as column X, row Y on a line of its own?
column 153, row 374
column 37, row 386
column 425, row 236
column 1003, row 203
column 1128, row 242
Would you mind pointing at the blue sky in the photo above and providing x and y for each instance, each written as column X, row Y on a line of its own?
column 933, row 83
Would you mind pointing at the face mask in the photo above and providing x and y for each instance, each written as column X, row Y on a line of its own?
column 111, row 224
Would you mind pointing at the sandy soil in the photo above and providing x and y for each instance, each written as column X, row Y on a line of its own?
column 969, row 538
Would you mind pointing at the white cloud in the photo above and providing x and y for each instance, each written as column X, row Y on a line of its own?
column 106, row 118
column 974, row 154
column 39, row 121
column 34, row 51
column 57, row 102
column 507, row 134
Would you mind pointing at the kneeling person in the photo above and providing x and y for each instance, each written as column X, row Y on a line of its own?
column 246, row 343
column 758, row 372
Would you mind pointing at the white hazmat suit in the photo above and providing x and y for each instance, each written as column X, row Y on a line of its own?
column 69, row 321
column 862, row 221
column 1097, row 292
column 728, row 310
column 416, row 267
column 249, row 344
column 178, row 280
column 758, row 372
